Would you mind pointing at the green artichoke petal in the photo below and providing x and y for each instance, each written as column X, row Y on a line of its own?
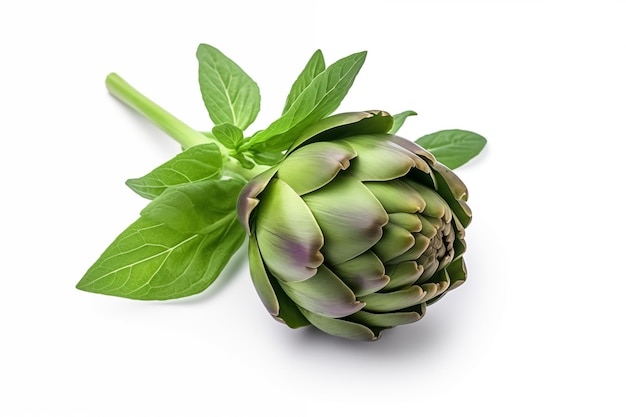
column 414, row 148
column 345, row 124
column 435, row 205
column 430, row 263
column 393, row 301
column 315, row 165
column 350, row 217
column 395, row 241
column 287, row 233
column 288, row 311
column 379, row 159
column 386, row 320
column 436, row 285
column 450, row 187
column 415, row 252
column 324, row 294
column 459, row 246
column 260, row 280
column 457, row 273
column 408, row 221
column 424, row 173
column 430, row 225
column 341, row 328
column 446, row 176
column 397, row 196
column 247, row 200
column 403, row 274
column 281, row 307
column 364, row 274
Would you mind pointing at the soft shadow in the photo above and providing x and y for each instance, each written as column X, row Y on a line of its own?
column 422, row 338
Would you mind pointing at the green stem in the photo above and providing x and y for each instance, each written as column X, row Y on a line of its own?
column 171, row 125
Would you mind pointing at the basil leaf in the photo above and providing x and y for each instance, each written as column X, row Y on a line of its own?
column 197, row 163
column 453, row 148
column 228, row 135
column 150, row 261
column 319, row 99
column 399, row 119
column 229, row 94
column 198, row 207
column 313, row 68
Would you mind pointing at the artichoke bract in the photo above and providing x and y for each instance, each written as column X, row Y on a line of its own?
column 356, row 230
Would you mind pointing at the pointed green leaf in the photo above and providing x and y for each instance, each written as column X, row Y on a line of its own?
column 228, row 135
column 229, row 94
column 319, row 99
column 399, row 119
column 197, row 163
column 312, row 69
column 453, row 148
column 150, row 261
column 198, row 207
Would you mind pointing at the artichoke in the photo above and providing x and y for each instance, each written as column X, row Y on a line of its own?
column 355, row 230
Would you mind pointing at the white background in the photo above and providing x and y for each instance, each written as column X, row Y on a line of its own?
column 536, row 330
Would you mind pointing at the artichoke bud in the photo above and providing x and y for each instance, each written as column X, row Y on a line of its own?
column 355, row 230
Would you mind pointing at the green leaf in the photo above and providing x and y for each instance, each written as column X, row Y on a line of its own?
column 243, row 160
column 313, row 68
column 198, row 207
column 229, row 94
column 398, row 120
column 197, row 163
column 228, row 135
column 318, row 100
column 150, row 261
column 453, row 148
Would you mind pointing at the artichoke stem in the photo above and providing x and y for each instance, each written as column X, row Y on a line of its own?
column 165, row 121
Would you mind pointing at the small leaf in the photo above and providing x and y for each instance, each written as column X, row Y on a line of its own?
column 228, row 135
column 312, row 69
column 243, row 160
column 229, row 94
column 319, row 99
column 398, row 120
column 150, row 261
column 198, row 207
column 453, row 148
column 197, row 163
